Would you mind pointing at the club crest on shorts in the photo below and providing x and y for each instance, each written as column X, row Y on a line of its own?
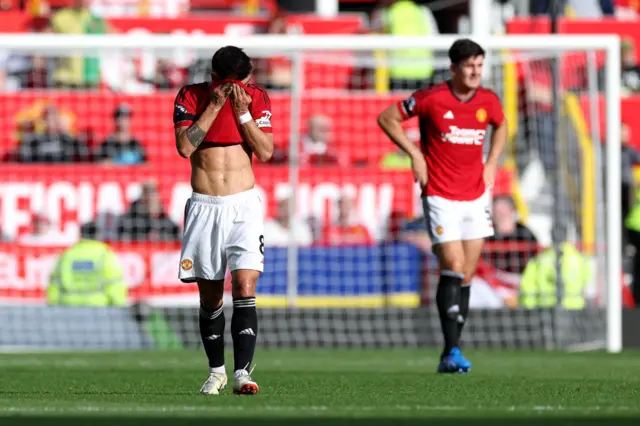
column 481, row 115
column 439, row 230
column 186, row 264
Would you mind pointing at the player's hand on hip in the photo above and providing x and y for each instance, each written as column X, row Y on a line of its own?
column 490, row 175
column 241, row 99
column 419, row 166
column 220, row 94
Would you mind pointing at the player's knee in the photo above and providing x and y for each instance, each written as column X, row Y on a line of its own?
column 211, row 294
column 456, row 265
column 211, row 303
column 244, row 284
column 244, row 288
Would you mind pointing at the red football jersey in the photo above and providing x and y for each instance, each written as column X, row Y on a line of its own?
column 193, row 99
column 452, row 135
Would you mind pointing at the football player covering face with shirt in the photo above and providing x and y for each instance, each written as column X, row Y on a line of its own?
column 219, row 126
column 453, row 118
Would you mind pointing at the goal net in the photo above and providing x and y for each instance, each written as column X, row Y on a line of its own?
column 88, row 151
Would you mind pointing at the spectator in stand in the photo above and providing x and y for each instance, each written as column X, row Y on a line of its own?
column 137, row 8
column 277, row 232
column 4, row 238
column 121, row 147
column 317, row 144
column 410, row 69
column 275, row 71
column 37, row 8
column 630, row 78
column 103, row 228
column 42, row 233
column 510, row 231
column 4, row 58
column 584, row 9
column 169, row 75
column 54, row 145
column 78, row 71
column 146, row 219
column 20, row 71
column 347, row 230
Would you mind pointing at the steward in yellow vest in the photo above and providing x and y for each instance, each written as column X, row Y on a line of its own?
column 87, row 274
column 538, row 286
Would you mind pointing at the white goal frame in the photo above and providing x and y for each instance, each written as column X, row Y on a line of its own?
column 299, row 43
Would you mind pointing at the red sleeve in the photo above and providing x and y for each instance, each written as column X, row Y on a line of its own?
column 413, row 106
column 184, row 108
column 497, row 114
column 261, row 109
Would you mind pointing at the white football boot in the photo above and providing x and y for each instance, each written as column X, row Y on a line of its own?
column 214, row 384
column 243, row 384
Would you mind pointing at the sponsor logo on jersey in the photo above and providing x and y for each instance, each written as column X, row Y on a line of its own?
column 265, row 120
column 460, row 136
column 186, row 264
column 449, row 115
column 481, row 115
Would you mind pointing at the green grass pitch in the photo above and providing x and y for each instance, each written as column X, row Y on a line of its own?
column 321, row 387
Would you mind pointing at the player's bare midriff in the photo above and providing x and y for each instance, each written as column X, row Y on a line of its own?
column 221, row 170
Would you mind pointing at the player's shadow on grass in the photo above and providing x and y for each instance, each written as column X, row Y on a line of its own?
column 316, row 421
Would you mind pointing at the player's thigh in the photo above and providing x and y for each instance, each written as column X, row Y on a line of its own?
column 476, row 218
column 442, row 219
column 202, row 256
column 211, row 293
column 245, row 244
column 472, row 253
column 450, row 256
column 444, row 226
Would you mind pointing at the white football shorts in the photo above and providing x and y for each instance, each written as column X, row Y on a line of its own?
column 220, row 232
column 450, row 220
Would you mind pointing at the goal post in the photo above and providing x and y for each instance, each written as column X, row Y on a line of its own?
column 315, row 195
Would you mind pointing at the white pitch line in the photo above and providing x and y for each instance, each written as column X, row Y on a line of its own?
column 301, row 409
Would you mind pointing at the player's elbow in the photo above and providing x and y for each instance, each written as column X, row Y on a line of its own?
column 382, row 120
column 185, row 150
column 265, row 154
column 389, row 116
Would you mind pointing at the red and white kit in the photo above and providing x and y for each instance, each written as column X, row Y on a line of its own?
column 228, row 230
column 452, row 134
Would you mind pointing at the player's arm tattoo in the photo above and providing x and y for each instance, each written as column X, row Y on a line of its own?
column 195, row 135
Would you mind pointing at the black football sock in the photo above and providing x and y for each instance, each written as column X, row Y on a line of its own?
column 465, row 292
column 448, row 301
column 244, row 330
column 212, row 333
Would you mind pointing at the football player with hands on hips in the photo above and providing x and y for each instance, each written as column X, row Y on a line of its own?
column 219, row 126
column 456, row 184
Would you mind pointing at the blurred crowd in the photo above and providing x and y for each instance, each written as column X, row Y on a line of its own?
column 45, row 134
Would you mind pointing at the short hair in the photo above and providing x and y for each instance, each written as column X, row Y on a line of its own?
column 463, row 49
column 231, row 61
